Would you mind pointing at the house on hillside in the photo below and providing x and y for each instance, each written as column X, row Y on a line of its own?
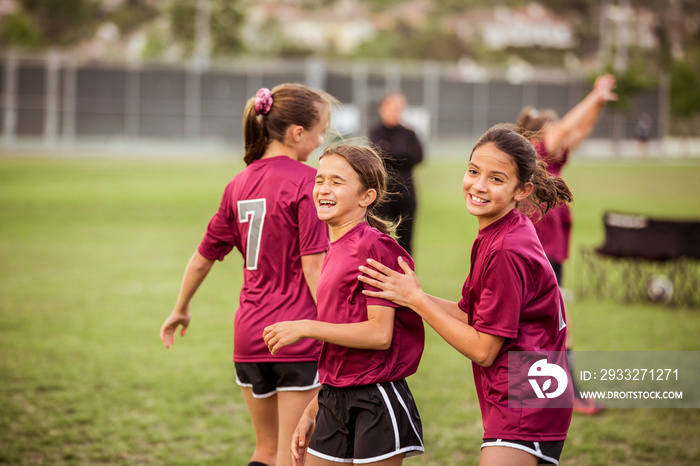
column 340, row 27
column 502, row 27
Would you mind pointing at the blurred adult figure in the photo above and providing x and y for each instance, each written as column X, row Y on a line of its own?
column 554, row 139
column 402, row 151
column 642, row 132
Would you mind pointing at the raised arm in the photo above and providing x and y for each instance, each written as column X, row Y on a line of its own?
column 197, row 270
column 375, row 333
column 405, row 290
column 578, row 123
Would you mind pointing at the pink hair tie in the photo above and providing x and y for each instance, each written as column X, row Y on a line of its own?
column 263, row 101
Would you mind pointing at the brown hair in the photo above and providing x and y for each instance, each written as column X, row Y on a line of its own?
column 531, row 121
column 369, row 166
column 548, row 190
column 292, row 104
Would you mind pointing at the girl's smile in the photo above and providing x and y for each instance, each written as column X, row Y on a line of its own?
column 491, row 186
column 341, row 200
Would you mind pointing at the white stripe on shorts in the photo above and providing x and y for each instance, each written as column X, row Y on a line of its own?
column 408, row 451
column 408, row 415
column 328, row 457
column 397, row 442
column 537, row 452
column 315, row 384
column 250, row 385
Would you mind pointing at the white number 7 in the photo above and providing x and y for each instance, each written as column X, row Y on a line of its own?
column 253, row 213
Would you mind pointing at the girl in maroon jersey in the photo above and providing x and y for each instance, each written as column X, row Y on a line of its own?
column 555, row 139
column 365, row 412
column 510, row 300
column 267, row 213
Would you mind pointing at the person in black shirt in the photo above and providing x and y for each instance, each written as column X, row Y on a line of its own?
column 401, row 150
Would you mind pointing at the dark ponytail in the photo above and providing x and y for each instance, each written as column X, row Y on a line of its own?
column 549, row 190
column 255, row 136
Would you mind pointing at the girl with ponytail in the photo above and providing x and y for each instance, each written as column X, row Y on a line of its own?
column 554, row 140
column 510, row 304
column 365, row 412
column 268, row 214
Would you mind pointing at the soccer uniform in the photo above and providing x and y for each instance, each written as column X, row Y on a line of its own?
column 268, row 214
column 366, row 411
column 512, row 292
column 554, row 229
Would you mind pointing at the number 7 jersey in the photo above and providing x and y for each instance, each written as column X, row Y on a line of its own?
column 267, row 212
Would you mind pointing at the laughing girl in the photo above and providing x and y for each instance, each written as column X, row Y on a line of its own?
column 365, row 412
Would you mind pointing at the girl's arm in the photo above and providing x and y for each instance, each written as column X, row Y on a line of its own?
column 302, row 434
column 578, row 123
column 404, row 289
column 450, row 307
column 197, row 270
column 375, row 333
column 311, row 266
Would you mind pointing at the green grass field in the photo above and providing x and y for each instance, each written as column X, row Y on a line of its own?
column 93, row 251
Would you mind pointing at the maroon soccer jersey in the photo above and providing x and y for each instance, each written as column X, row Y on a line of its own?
column 340, row 300
column 268, row 214
column 554, row 229
column 511, row 291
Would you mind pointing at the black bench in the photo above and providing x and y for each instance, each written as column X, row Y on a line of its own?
column 644, row 258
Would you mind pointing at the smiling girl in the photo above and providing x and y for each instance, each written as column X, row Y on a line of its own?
column 365, row 412
column 510, row 300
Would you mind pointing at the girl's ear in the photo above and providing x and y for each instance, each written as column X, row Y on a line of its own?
column 368, row 198
column 523, row 191
column 294, row 132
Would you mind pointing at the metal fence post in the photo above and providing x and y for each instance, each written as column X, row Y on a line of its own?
column 193, row 101
column 315, row 73
column 10, row 101
column 431, row 96
column 69, row 110
column 480, row 108
column 360, row 93
column 51, row 98
column 392, row 77
column 132, row 106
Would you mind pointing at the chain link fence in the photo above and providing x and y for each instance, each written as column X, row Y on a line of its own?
column 57, row 102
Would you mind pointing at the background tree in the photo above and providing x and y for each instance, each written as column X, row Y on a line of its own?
column 61, row 22
column 18, row 30
column 227, row 17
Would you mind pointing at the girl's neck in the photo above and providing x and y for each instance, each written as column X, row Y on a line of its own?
column 339, row 230
column 485, row 222
column 276, row 148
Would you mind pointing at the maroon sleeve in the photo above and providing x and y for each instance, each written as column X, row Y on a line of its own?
column 386, row 251
column 501, row 298
column 313, row 232
column 463, row 303
column 222, row 232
